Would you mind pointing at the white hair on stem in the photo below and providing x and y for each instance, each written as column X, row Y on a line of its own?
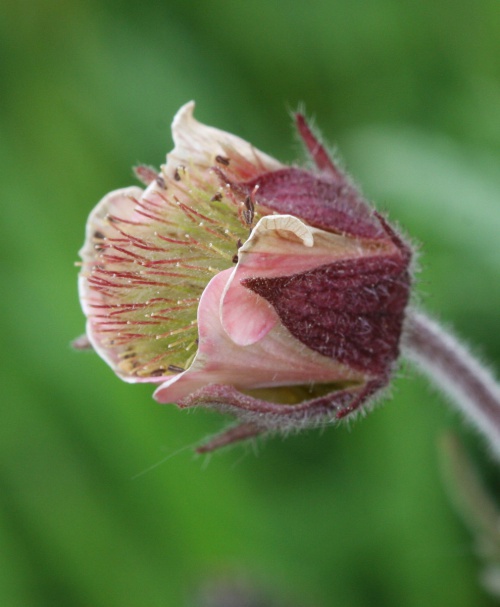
column 465, row 380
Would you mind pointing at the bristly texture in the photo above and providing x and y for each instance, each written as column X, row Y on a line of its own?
column 468, row 383
column 274, row 293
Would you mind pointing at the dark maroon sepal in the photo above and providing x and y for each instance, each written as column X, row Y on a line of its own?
column 260, row 416
column 230, row 436
column 324, row 201
column 315, row 148
column 351, row 310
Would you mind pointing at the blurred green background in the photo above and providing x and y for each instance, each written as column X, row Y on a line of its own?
column 410, row 94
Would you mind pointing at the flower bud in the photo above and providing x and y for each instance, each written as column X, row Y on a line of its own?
column 233, row 281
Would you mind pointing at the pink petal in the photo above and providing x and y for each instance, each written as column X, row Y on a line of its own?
column 280, row 245
column 276, row 360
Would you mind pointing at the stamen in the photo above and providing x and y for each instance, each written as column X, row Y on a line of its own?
column 157, row 372
column 153, row 217
column 148, row 205
column 175, row 344
column 113, row 219
column 192, row 211
column 222, row 160
column 145, row 174
column 176, row 331
column 178, row 170
column 249, row 212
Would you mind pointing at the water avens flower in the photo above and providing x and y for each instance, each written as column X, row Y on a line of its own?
column 272, row 292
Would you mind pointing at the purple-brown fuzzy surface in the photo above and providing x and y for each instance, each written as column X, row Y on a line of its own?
column 325, row 201
column 351, row 310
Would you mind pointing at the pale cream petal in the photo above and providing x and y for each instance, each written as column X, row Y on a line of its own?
column 198, row 145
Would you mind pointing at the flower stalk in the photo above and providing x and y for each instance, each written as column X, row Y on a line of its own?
column 470, row 385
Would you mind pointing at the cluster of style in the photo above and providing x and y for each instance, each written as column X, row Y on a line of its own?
column 273, row 292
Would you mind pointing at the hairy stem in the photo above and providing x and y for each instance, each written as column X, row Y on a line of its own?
column 452, row 368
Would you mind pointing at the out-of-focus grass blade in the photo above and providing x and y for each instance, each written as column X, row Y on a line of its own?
column 448, row 191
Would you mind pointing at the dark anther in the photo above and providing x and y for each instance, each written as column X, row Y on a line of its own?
column 248, row 214
column 222, row 160
column 235, row 258
column 217, row 197
column 99, row 237
column 239, row 243
column 175, row 369
column 249, row 204
column 158, row 372
column 177, row 175
column 161, row 182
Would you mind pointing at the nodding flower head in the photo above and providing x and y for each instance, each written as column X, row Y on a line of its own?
column 273, row 292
